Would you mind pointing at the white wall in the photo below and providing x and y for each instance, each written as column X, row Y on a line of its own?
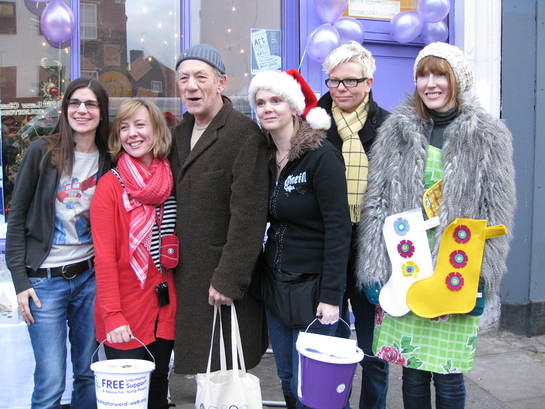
column 478, row 33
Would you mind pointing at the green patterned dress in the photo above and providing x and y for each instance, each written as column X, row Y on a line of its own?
column 444, row 344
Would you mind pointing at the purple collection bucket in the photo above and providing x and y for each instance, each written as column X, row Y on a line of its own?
column 326, row 369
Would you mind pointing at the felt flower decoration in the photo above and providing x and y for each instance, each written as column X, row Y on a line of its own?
column 410, row 269
column 458, row 259
column 454, row 281
column 462, row 234
column 401, row 226
column 405, row 248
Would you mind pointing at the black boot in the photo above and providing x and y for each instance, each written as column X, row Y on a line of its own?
column 291, row 401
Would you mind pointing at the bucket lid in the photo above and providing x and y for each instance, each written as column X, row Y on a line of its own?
column 123, row 366
column 325, row 348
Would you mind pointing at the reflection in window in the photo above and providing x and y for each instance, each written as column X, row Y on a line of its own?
column 8, row 19
column 88, row 21
column 135, row 50
column 228, row 27
column 33, row 76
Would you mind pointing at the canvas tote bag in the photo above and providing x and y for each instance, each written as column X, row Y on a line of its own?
column 235, row 388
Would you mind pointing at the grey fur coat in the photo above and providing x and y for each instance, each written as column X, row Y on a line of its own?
column 478, row 183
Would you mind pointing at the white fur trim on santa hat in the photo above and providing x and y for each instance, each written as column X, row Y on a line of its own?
column 318, row 118
column 281, row 84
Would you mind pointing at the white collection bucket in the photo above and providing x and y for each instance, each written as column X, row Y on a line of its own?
column 122, row 383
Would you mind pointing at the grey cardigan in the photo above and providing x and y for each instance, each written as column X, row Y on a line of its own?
column 478, row 182
column 31, row 219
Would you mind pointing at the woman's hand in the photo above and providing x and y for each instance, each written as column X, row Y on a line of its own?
column 22, row 301
column 327, row 313
column 119, row 335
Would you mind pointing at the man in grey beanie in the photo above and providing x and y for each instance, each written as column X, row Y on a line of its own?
column 219, row 164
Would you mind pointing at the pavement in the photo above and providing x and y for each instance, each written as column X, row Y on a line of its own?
column 509, row 373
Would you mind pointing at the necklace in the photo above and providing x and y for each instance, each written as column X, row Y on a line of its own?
column 279, row 162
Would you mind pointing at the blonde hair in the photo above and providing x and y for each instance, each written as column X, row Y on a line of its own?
column 351, row 52
column 162, row 138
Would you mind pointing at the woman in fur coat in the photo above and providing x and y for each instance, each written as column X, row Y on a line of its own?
column 439, row 135
column 306, row 253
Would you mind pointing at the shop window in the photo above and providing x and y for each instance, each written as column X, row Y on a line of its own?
column 31, row 85
column 88, row 21
column 248, row 36
column 8, row 18
column 134, row 49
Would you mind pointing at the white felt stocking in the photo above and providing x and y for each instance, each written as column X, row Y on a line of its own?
column 410, row 256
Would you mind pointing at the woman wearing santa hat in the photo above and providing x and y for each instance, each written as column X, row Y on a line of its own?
column 304, row 261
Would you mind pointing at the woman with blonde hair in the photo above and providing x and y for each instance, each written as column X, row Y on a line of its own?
column 133, row 216
column 304, row 261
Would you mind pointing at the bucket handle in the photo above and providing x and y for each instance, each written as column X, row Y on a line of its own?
column 316, row 319
column 133, row 337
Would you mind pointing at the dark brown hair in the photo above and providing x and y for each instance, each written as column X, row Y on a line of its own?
column 60, row 144
column 434, row 65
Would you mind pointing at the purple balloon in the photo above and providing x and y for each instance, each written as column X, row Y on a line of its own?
column 57, row 22
column 433, row 11
column 330, row 10
column 432, row 32
column 35, row 6
column 349, row 29
column 322, row 41
column 405, row 26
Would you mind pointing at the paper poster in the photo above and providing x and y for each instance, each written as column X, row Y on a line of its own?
column 266, row 50
column 373, row 9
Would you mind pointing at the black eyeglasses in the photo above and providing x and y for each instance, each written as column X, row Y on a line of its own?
column 347, row 82
column 89, row 104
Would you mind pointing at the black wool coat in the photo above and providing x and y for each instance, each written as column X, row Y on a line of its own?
column 221, row 195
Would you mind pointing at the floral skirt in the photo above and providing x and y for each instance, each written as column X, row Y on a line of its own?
column 443, row 345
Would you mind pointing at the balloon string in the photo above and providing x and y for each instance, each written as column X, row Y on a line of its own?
column 303, row 58
column 59, row 76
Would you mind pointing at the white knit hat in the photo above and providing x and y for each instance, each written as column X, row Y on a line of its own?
column 455, row 58
column 291, row 86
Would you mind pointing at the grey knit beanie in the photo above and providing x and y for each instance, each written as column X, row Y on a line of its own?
column 203, row 52
column 455, row 58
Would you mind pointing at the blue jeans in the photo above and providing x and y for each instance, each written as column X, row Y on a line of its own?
column 63, row 301
column 450, row 392
column 283, row 341
column 374, row 380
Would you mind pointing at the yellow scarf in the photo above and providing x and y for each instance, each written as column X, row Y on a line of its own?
column 355, row 158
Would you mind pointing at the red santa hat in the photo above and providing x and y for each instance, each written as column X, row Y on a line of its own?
column 291, row 86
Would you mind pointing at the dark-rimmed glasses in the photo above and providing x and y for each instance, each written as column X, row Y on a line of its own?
column 347, row 82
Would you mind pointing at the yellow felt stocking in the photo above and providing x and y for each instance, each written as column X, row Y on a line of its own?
column 452, row 289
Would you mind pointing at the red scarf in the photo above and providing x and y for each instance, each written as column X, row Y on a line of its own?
column 145, row 188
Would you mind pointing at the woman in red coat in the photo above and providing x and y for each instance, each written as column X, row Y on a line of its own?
column 132, row 218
